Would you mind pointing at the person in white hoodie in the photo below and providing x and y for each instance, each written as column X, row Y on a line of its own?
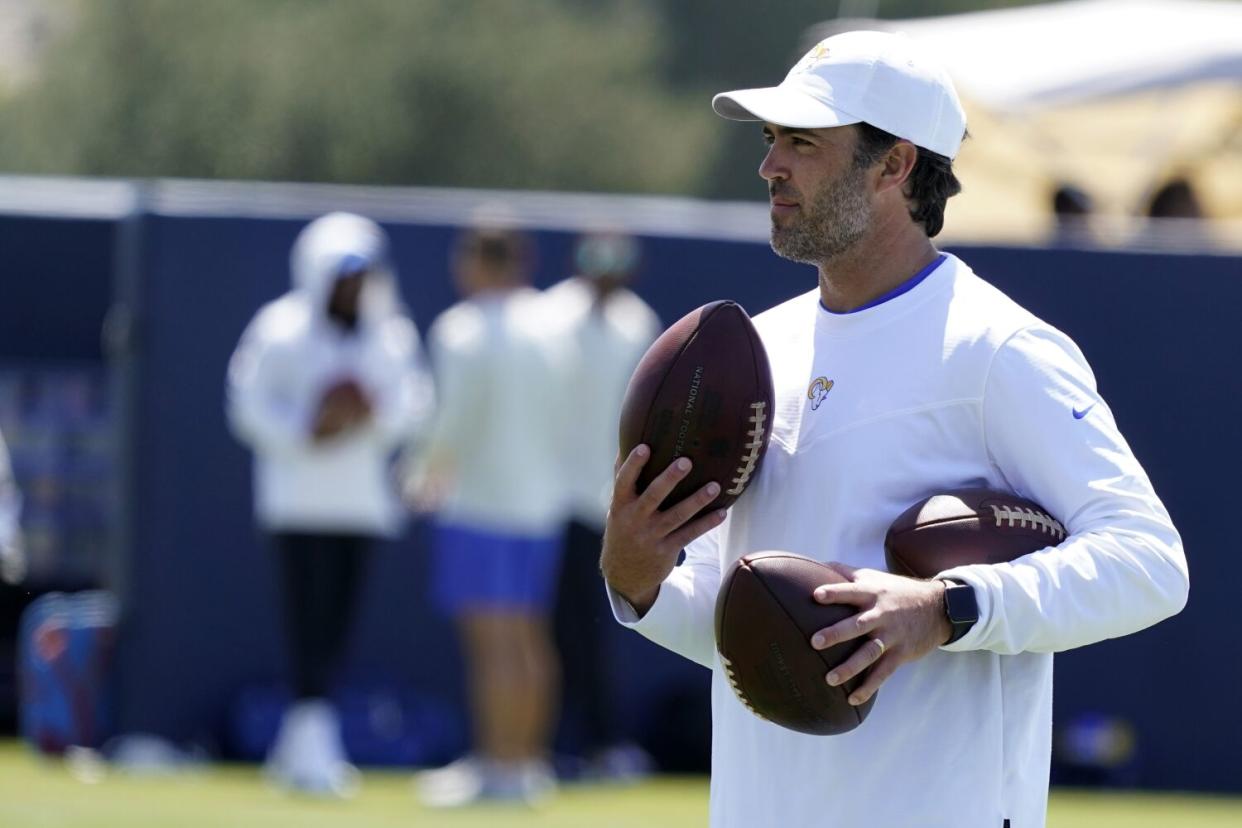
column 901, row 375
column 324, row 386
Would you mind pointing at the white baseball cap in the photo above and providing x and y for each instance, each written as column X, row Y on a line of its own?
column 881, row 78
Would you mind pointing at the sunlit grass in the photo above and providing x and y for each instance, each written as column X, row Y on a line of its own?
column 41, row 793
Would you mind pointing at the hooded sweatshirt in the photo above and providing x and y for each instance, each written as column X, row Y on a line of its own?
column 292, row 352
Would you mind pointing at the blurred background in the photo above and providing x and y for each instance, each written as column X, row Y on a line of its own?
column 158, row 158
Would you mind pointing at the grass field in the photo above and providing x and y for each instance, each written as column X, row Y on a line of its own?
column 36, row 793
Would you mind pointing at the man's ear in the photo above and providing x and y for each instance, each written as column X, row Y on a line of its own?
column 897, row 165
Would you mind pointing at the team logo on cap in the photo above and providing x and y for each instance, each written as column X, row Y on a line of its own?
column 818, row 391
column 813, row 58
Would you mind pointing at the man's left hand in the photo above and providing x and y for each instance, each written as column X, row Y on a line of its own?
column 903, row 617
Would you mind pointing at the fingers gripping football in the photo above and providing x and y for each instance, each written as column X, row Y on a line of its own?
column 641, row 542
column 903, row 617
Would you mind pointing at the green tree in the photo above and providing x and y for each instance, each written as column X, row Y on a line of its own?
column 490, row 93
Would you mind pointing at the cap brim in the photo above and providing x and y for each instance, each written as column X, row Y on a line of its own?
column 779, row 105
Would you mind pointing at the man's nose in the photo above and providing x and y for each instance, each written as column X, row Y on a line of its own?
column 773, row 166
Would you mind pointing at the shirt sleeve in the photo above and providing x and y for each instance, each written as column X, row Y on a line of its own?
column 1053, row 439
column 460, row 395
column 263, row 411
column 404, row 403
column 682, row 619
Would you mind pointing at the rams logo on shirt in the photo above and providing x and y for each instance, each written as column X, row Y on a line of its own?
column 818, row 391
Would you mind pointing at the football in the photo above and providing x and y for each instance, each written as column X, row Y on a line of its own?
column 703, row 390
column 967, row 526
column 765, row 617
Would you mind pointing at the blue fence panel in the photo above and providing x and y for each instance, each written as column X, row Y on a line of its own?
column 57, row 287
column 200, row 620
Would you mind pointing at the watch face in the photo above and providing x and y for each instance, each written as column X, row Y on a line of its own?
column 959, row 602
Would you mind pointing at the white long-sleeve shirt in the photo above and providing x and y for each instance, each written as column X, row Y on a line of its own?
column 603, row 344
column 289, row 355
column 501, row 417
column 948, row 385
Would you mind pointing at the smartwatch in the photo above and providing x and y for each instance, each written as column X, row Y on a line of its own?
column 960, row 607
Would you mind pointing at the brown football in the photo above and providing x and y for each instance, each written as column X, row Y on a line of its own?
column 765, row 617
column 703, row 390
column 967, row 526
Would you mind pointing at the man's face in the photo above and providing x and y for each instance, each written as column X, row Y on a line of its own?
column 346, row 293
column 820, row 203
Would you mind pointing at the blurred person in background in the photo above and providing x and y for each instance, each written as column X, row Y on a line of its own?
column 324, row 385
column 1178, row 212
column 606, row 328
column 12, row 550
column 14, row 594
column 1175, row 199
column 1071, row 208
column 491, row 470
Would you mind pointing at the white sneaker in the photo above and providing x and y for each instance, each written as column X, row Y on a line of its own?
column 472, row 780
column 537, row 781
column 454, row 785
column 308, row 755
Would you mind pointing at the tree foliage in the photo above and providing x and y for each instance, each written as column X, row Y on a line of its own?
column 533, row 94
column 541, row 94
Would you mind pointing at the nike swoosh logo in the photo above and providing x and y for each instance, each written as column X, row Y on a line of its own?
column 1079, row 413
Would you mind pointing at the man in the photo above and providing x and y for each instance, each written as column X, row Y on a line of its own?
column 606, row 329
column 937, row 381
column 326, row 383
column 493, row 460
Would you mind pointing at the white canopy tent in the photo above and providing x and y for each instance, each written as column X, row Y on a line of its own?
column 1113, row 96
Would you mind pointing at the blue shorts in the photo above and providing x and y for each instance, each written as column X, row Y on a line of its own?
column 477, row 569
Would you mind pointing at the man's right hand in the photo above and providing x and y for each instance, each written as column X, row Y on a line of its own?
column 641, row 543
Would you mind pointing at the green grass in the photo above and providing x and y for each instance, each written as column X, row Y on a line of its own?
column 1083, row 809
column 37, row 793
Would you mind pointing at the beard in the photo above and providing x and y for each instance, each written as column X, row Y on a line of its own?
column 827, row 226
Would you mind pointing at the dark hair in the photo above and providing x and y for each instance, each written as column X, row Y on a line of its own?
column 494, row 246
column 1176, row 199
column 931, row 182
column 1068, row 200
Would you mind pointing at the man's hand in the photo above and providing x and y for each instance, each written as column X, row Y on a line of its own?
column 903, row 617
column 641, row 543
column 425, row 489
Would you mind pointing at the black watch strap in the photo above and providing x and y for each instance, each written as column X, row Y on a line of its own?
column 960, row 607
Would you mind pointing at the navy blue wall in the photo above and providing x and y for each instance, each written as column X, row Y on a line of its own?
column 201, row 621
column 56, row 289
column 1160, row 331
